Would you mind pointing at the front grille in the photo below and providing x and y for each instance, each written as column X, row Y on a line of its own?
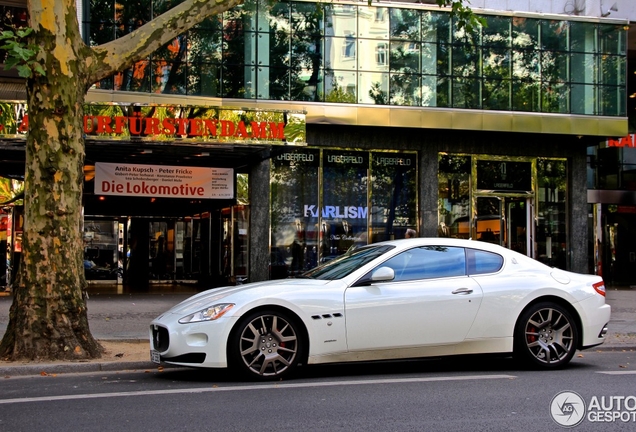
column 160, row 338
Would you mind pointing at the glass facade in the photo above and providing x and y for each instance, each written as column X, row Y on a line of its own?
column 519, row 203
column 325, row 202
column 303, row 51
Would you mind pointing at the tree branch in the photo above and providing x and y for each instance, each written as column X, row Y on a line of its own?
column 123, row 52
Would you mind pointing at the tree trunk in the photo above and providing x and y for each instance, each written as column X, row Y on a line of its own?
column 48, row 317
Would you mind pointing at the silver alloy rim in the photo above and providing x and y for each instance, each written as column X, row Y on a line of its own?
column 549, row 335
column 268, row 345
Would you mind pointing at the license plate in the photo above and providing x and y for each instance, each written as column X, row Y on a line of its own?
column 155, row 357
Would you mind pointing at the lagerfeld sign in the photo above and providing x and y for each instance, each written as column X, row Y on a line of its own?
column 163, row 181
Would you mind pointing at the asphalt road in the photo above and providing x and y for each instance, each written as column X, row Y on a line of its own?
column 460, row 394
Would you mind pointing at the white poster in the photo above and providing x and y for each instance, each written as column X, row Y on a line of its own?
column 163, row 181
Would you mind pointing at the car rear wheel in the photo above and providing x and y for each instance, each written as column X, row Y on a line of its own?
column 266, row 345
column 546, row 336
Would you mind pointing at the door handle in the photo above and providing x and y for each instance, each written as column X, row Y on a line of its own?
column 463, row 291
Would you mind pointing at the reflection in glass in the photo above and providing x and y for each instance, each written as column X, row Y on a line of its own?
column 551, row 230
column 393, row 195
column 453, row 209
column 294, row 212
column 290, row 50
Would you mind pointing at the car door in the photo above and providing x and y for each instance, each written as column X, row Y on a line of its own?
column 430, row 301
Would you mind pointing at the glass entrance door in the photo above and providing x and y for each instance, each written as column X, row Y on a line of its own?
column 506, row 221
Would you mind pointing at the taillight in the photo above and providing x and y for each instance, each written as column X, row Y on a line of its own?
column 599, row 287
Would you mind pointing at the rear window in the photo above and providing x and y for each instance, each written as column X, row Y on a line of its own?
column 480, row 262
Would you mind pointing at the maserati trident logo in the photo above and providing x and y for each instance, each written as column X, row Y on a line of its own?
column 567, row 409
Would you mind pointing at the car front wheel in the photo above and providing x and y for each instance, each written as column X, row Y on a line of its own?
column 546, row 336
column 266, row 345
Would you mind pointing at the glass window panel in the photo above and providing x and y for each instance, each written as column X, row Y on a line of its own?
column 340, row 20
column 233, row 81
column 130, row 16
column 428, row 262
column 340, row 86
column 405, row 90
column 405, row 57
column 453, row 196
column 555, row 98
column 241, row 17
column 497, row 31
column 307, row 51
column 551, row 233
column 443, row 59
column 212, row 23
column 273, row 83
column 173, row 51
column 374, row 55
column 393, row 194
column 525, row 33
column 554, row 66
column 373, row 22
column 444, row 92
column 503, row 176
column 554, row 35
column 526, row 65
column 204, row 79
column 612, row 70
column 344, row 212
column 496, row 63
column 429, row 91
column 102, row 20
column 583, row 99
column 525, row 96
column 612, row 39
column 466, row 93
column 294, row 211
column 582, row 37
column 204, row 46
column 481, row 262
column 374, row 88
column 466, row 60
column 168, row 78
column 429, row 58
column 273, row 50
column 405, row 24
column 136, row 78
column 496, row 94
column 307, row 85
column 612, row 100
column 583, row 67
column 436, row 27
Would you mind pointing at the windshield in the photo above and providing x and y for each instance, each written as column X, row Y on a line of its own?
column 347, row 263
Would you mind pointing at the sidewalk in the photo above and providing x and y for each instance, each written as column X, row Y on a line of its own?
column 125, row 318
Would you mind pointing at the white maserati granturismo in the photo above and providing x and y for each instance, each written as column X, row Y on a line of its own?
column 393, row 300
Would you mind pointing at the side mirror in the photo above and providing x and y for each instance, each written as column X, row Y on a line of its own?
column 383, row 274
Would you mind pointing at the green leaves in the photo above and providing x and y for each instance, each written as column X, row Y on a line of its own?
column 464, row 16
column 20, row 54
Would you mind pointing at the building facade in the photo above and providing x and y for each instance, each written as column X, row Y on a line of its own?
column 407, row 121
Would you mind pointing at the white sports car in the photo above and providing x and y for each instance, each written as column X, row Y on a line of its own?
column 393, row 300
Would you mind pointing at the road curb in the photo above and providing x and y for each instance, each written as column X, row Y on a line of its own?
column 49, row 369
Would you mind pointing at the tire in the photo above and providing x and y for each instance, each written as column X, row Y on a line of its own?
column 546, row 336
column 266, row 345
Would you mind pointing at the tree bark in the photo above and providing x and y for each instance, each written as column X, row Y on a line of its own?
column 48, row 318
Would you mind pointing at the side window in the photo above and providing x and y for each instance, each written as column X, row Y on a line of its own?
column 480, row 262
column 427, row 263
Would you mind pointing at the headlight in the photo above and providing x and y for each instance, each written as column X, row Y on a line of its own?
column 207, row 314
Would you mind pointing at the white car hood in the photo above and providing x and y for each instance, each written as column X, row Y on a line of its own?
column 251, row 290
